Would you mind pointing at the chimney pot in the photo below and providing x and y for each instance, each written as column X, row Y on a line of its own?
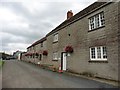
column 69, row 14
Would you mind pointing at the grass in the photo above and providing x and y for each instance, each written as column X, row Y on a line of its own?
column 1, row 63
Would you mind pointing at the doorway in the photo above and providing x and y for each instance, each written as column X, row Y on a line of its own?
column 63, row 61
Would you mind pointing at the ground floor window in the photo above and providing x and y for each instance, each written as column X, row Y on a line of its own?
column 40, row 56
column 55, row 56
column 33, row 56
column 98, row 53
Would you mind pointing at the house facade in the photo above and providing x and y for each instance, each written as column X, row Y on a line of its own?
column 35, row 52
column 87, row 42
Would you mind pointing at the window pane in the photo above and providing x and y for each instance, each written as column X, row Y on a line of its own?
column 40, row 56
column 104, row 52
column 42, row 44
column 98, row 52
column 56, row 37
column 97, row 23
column 93, row 53
column 55, row 55
column 92, row 23
column 102, row 19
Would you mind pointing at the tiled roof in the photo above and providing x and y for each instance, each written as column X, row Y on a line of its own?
column 79, row 15
column 37, row 42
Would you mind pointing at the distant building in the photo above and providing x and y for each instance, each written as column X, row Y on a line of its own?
column 17, row 54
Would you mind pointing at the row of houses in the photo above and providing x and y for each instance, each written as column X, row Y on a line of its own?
column 87, row 42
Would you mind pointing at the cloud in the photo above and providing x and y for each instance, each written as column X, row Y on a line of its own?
column 24, row 21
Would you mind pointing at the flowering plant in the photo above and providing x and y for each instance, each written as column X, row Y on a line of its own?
column 30, row 54
column 69, row 49
column 27, row 54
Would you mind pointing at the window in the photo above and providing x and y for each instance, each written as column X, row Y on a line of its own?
column 98, row 53
column 40, row 56
column 93, row 53
column 28, row 50
column 41, row 44
column 31, row 56
column 37, row 56
column 97, row 21
column 102, row 19
column 55, row 39
column 104, row 52
column 55, row 56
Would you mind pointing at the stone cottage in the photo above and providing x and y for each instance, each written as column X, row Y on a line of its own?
column 87, row 42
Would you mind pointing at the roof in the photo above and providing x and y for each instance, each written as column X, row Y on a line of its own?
column 76, row 17
column 81, row 14
column 37, row 42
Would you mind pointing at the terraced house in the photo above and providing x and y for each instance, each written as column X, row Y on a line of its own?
column 37, row 52
column 87, row 42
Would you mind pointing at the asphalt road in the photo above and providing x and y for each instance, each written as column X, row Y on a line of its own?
column 17, row 74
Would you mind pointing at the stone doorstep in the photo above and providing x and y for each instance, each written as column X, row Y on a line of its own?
column 102, row 80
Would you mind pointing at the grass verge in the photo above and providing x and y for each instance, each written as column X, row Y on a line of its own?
column 1, row 63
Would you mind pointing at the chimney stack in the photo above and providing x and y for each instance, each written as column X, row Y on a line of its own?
column 69, row 14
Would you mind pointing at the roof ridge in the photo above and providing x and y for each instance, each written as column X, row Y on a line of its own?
column 79, row 15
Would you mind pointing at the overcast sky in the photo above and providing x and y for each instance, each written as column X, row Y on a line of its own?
column 22, row 22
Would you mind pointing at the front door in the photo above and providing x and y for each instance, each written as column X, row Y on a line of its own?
column 63, row 61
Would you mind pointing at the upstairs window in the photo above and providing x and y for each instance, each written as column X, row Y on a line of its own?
column 55, row 38
column 96, row 21
column 41, row 44
column 98, row 53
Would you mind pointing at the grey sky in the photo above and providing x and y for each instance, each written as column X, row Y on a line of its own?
column 22, row 22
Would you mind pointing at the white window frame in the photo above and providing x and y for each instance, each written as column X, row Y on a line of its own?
column 55, row 37
column 95, row 21
column 96, row 54
column 55, row 55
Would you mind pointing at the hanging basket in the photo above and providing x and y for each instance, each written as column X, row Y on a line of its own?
column 27, row 54
column 30, row 54
column 69, row 49
column 45, row 52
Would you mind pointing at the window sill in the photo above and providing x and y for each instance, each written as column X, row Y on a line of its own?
column 98, row 61
column 96, row 29
column 55, row 42
column 54, row 60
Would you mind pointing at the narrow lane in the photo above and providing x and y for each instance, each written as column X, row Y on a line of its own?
column 17, row 74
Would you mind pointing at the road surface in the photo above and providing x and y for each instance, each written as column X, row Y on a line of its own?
column 18, row 74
